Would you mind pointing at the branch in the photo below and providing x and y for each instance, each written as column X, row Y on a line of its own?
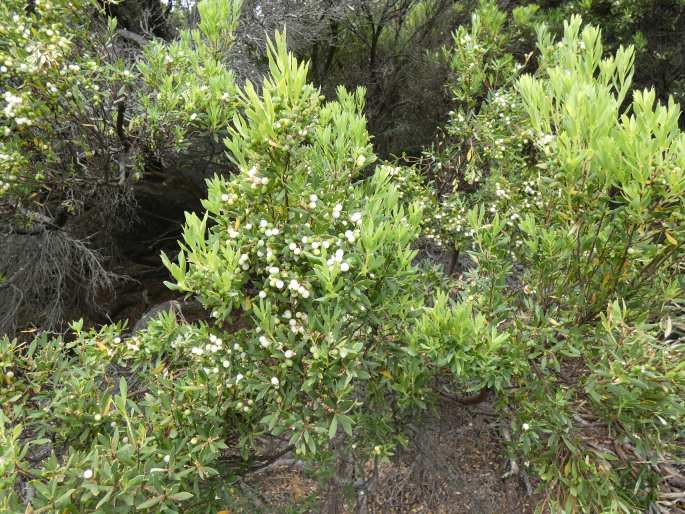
column 121, row 110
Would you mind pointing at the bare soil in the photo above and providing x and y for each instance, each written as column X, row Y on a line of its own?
column 453, row 465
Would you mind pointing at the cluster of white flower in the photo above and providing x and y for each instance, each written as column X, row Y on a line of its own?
column 544, row 140
column 465, row 38
column 243, row 262
column 13, row 103
column 536, row 195
column 337, row 259
column 295, row 324
column 228, row 198
column 255, row 179
column 296, row 287
column 500, row 193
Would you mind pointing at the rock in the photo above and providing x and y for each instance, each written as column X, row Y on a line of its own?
column 181, row 309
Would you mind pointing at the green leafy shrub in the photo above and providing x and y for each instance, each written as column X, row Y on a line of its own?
column 190, row 91
column 98, row 425
column 87, row 121
column 79, row 109
column 589, row 214
column 486, row 129
column 315, row 267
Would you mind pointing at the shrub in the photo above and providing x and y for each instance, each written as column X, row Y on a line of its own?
column 589, row 215
column 88, row 121
column 314, row 265
column 486, row 129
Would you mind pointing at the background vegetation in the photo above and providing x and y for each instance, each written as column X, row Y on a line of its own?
column 288, row 229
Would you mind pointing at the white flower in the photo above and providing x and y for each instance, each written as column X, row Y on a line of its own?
column 117, row 340
column 525, row 426
column 88, row 474
column 344, row 267
column 264, row 341
column 356, row 217
column 339, row 254
column 225, row 364
column 350, row 236
column 313, row 198
column 263, row 223
column 238, row 377
column 279, row 284
column 167, row 458
column 225, row 197
column 262, row 294
column 273, row 270
column 289, row 354
column 274, row 381
column 360, row 161
column 292, row 247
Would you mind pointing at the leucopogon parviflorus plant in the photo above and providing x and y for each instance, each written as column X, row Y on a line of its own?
column 307, row 256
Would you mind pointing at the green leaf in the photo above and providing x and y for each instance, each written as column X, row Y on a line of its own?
column 150, row 503
column 346, row 423
column 182, row 496
column 63, row 500
column 333, row 428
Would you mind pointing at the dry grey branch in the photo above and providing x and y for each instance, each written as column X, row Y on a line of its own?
column 46, row 273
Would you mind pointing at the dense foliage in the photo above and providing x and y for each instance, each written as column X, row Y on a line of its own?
column 532, row 254
column 577, row 254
